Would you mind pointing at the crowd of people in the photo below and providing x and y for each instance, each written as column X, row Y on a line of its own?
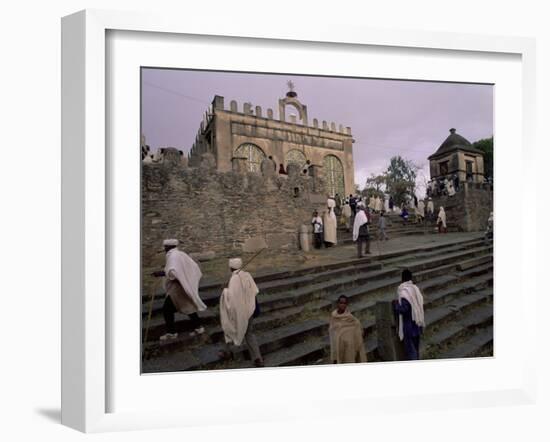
column 238, row 307
column 447, row 186
column 355, row 214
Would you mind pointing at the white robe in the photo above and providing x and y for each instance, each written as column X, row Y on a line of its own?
column 237, row 304
column 378, row 204
column 430, row 207
column 372, row 203
column 346, row 210
column 420, row 208
column 412, row 294
column 188, row 273
column 450, row 188
column 442, row 217
column 158, row 156
column 329, row 225
column 360, row 219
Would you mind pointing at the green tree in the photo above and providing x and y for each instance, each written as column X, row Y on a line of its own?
column 400, row 179
column 486, row 146
column 374, row 186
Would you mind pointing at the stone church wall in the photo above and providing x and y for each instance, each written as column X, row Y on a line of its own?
column 221, row 214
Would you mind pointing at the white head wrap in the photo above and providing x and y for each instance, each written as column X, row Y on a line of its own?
column 235, row 263
column 170, row 242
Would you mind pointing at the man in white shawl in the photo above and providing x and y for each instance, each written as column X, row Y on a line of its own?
column 237, row 306
column 409, row 306
column 330, row 224
column 361, row 231
column 182, row 289
column 346, row 335
column 442, row 220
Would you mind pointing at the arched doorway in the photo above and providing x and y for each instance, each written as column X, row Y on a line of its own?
column 333, row 172
column 295, row 156
column 253, row 154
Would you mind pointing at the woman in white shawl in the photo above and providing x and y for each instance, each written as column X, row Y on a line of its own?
column 442, row 220
column 237, row 305
column 329, row 224
column 409, row 306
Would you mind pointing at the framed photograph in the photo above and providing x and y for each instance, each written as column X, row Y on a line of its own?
column 256, row 214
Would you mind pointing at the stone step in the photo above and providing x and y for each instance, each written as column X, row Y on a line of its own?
column 295, row 282
column 449, row 310
column 471, row 346
column 295, row 302
column 285, row 280
column 211, row 290
column 434, row 342
column 468, row 285
column 307, row 341
column 206, row 357
column 214, row 333
column 313, row 349
column 316, row 350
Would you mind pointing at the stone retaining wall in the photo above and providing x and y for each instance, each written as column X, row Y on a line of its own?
column 221, row 214
column 469, row 208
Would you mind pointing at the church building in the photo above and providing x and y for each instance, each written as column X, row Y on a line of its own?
column 237, row 135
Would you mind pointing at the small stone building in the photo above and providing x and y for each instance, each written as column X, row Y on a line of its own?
column 457, row 156
column 240, row 139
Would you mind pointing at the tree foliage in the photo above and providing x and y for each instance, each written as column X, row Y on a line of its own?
column 375, row 186
column 486, row 145
column 400, row 179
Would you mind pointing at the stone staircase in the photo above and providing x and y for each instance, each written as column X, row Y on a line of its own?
column 455, row 278
column 395, row 228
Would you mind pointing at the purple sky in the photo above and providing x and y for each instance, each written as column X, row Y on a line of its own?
column 387, row 117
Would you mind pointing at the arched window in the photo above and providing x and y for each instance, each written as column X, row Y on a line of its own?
column 333, row 172
column 295, row 156
column 253, row 154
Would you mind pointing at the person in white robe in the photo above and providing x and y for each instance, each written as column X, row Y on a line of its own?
column 346, row 214
column 450, row 187
column 409, row 306
column 182, row 289
column 442, row 220
column 378, row 204
column 430, row 209
column 237, row 306
column 158, row 155
column 420, row 211
column 330, row 224
column 372, row 203
column 361, row 231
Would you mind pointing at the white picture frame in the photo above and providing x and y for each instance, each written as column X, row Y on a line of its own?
column 86, row 206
